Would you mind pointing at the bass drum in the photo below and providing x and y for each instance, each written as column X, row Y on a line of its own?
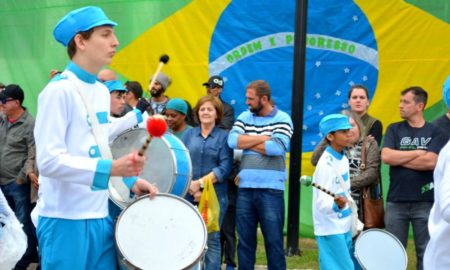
column 378, row 249
column 165, row 232
column 168, row 164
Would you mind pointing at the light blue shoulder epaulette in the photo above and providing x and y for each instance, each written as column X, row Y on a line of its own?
column 58, row 77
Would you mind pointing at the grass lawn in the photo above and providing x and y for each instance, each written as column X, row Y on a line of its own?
column 309, row 255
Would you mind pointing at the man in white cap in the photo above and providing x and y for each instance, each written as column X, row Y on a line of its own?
column 158, row 101
column 74, row 229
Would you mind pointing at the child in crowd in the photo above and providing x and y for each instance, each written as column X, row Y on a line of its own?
column 332, row 216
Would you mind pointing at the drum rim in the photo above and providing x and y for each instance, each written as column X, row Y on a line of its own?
column 383, row 231
column 119, row 203
column 204, row 244
column 188, row 155
column 174, row 162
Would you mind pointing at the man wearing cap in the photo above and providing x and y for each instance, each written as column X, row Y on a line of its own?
column 176, row 111
column 158, row 101
column 17, row 155
column 411, row 148
column 72, row 134
column 117, row 105
column 214, row 87
column 443, row 122
column 117, row 92
column 263, row 132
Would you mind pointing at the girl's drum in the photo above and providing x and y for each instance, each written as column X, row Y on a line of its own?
column 165, row 232
column 379, row 249
column 167, row 165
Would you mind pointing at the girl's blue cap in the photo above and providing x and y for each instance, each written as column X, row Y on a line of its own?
column 334, row 122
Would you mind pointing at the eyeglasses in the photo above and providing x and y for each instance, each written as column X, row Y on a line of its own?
column 4, row 101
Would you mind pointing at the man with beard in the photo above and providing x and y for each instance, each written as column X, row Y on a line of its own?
column 263, row 132
column 158, row 101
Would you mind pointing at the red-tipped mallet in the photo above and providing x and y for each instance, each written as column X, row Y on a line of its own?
column 156, row 127
column 162, row 61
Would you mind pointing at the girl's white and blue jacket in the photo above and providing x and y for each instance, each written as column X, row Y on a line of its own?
column 328, row 218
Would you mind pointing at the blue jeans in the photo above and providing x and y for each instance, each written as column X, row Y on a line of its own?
column 213, row 255
column 18, row 197
column 397, row 219
column 265, row 206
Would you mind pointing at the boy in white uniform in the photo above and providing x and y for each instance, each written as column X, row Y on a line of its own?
column 74, row 229
column 332, row 216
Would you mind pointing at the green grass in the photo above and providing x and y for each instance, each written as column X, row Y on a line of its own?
column 309, row 255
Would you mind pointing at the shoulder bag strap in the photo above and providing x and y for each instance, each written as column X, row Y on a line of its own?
column 116, row 185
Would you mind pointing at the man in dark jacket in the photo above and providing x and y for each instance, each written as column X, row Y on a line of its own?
column 17, row 163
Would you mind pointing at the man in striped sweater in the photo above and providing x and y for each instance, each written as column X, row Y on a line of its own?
column 263, row 132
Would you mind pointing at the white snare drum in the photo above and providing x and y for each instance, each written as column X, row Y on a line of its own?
column 379, row 249
column 165, row 232
column 168, row 163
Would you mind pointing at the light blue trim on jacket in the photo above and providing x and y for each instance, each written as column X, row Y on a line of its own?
column 138, row 115
column 102, row 173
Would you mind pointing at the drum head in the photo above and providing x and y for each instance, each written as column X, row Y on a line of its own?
column 379, row 249
column 165, row 232
column 160, row 165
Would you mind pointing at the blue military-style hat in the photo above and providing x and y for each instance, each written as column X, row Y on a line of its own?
column 334, row 122
column 79, row 20
column 115, row 85
column 446, row 92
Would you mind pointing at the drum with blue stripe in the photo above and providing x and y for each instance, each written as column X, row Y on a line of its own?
column 168, row 163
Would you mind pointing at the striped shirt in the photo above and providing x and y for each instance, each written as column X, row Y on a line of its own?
column 269, row 170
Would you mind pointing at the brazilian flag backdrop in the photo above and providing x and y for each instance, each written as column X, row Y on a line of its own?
column 387, row 45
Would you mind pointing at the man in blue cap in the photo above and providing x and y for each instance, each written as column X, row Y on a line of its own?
column 117, row 92
column 443, row 122
column 71, row 133
column 332, row 216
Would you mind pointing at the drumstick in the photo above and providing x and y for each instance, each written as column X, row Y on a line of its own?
column 156, row 127
column 308, row 181
column 162, row 61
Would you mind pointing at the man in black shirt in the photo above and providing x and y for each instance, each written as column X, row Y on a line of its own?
column 411, row 148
